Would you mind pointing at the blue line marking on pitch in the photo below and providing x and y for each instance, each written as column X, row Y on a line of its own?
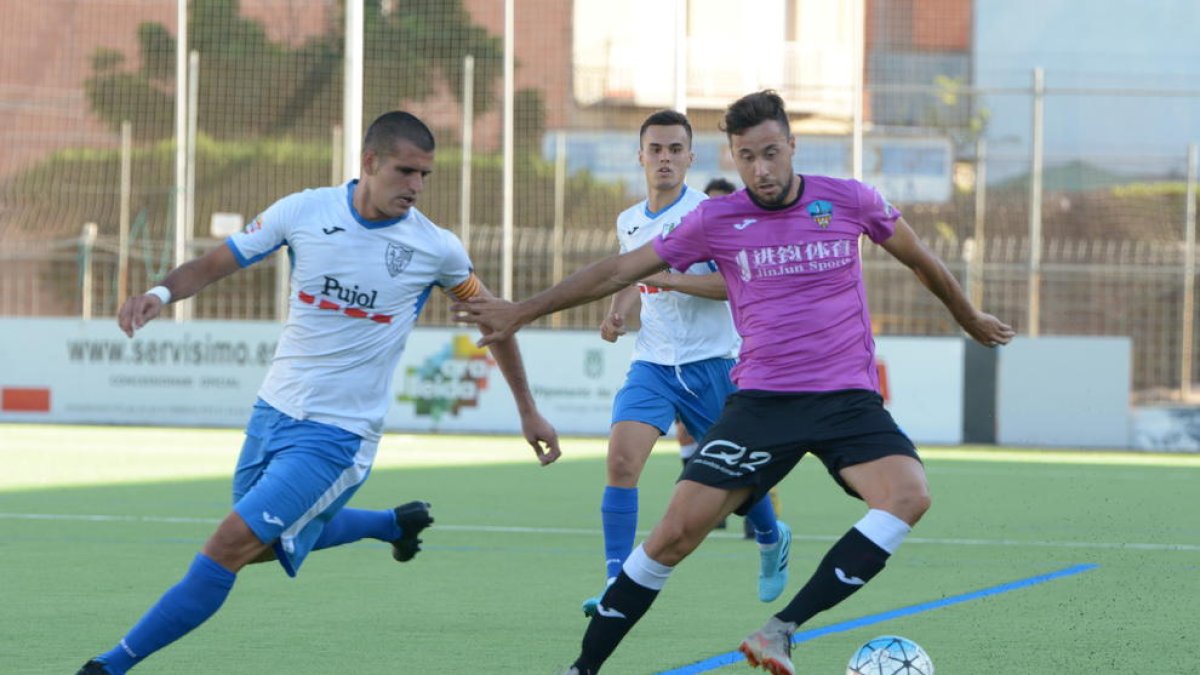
column 734, row 657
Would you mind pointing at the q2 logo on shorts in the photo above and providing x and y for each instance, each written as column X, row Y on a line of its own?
column 733, row 455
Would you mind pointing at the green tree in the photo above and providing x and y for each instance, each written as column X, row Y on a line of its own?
column 250, row 86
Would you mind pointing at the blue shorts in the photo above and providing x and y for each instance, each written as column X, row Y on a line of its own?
column 293, row 476
column 656, row 395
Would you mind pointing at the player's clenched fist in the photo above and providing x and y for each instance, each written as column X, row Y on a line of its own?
column 613, row 327
column 138, row 310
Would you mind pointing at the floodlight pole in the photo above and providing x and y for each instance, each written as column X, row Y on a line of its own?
column 507, row 189
column 856, row 99
column 181, row 128
column 352, row 91
column 681, row 55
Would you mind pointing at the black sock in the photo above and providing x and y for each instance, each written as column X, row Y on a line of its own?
column 621, row 606
column 850, row 564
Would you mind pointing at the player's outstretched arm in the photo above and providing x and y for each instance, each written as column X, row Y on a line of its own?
column 538, row 432
column 906, row 247
column 711, row 286
column 182, row 282
column 593, row 282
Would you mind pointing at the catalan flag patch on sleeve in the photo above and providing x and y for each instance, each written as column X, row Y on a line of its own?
column 467, row 289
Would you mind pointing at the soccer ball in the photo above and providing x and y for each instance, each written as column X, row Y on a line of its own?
column 890, row 655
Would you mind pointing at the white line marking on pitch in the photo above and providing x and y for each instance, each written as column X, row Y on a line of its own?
column 505, row 529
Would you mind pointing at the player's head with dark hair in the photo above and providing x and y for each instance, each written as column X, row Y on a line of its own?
column 719, row 186
column 665, row 150
column 762, row 145
column 397, row 158
column 392, row 127
column 752, row 110
column 667, row 118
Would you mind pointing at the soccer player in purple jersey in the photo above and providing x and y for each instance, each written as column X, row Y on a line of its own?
column 787, row 247
column 312, row 436
column 682, row 358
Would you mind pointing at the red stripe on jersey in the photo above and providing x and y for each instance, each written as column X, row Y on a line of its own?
column 325, row 304
column 306, row 298
column 356, row 313
column 381, row 318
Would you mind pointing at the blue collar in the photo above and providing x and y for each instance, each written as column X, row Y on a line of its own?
column 655, row 214
column 369, row 224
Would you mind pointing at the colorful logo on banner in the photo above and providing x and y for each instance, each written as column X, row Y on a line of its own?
column 447, row 381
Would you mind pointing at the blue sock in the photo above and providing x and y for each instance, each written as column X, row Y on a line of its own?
column 618, row 515
column 184, row 606
column 350, row 525
column 762, row 517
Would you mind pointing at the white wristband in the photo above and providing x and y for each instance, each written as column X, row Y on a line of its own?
column 162, row 293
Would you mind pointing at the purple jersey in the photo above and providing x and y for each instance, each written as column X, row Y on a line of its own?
column 795, row 281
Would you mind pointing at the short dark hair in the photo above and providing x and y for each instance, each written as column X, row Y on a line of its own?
column 754, row 109
column 667, row 118
column 394, row 126
column 721, row 185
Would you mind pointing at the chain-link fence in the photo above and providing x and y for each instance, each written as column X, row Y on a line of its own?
column 1053, row 227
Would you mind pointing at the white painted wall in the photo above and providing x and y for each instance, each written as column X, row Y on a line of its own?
column 1064, row 391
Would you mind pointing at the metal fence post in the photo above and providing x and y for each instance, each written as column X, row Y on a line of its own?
column 283, row 276
column 979, row 251
column 1035, row 202
column 87, row 242
column 126, row 194
column 1189, row 278
column 560, row 209
column 337, row 173
column 468, row 148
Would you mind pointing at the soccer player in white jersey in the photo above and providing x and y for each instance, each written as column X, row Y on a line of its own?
column 685, row 348
column 364, row 262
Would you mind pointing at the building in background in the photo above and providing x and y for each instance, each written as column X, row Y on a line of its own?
column 625, row 54
column 938, row 75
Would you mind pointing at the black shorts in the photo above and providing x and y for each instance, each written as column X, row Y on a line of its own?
column 761, row 436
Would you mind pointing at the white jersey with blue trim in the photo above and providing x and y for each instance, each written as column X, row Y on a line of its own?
column 677, row 328
column 357, row 287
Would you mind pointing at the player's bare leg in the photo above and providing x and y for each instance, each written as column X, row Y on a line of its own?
column 693, row 511
column 897, row 494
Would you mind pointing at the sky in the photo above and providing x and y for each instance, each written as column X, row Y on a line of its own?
column 1110, row 44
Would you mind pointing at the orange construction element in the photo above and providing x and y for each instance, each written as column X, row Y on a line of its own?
column 25, row 399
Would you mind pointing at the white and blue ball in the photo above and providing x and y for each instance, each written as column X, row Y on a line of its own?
column 890, row 655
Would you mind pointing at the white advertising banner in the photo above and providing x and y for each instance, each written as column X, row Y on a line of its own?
column 446, row 383
column 206, row 373
column 202, row 373
column 1065, row 392
column 922, row 378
